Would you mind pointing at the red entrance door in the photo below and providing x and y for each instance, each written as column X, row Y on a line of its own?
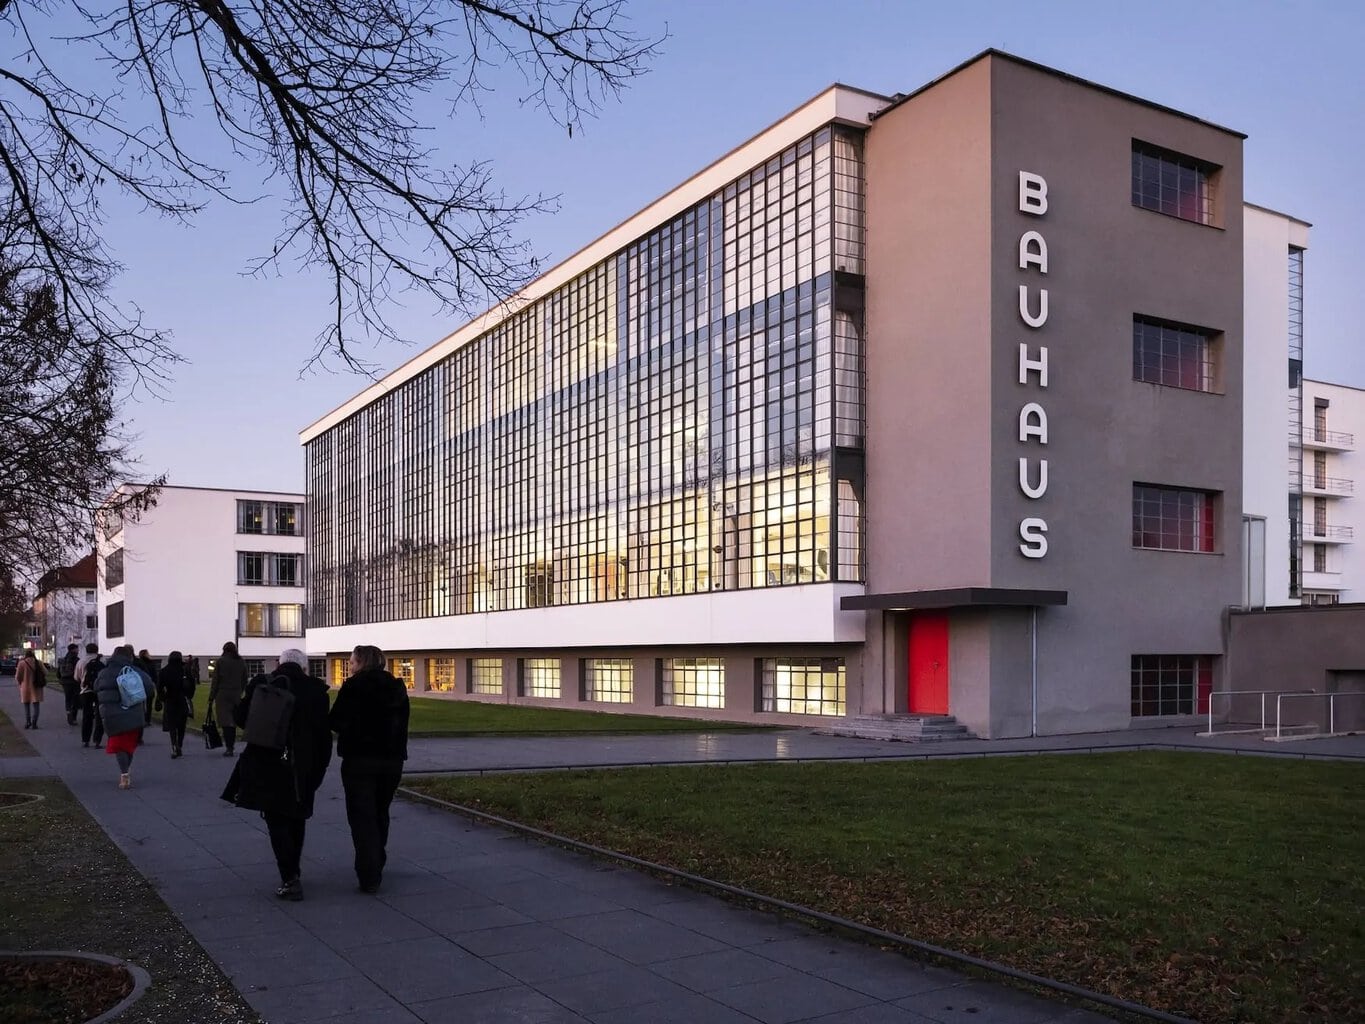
column 928, row 664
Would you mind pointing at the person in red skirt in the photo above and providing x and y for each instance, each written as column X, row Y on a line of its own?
column 122, row 721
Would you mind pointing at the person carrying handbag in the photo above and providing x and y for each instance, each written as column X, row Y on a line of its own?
column 213, row 739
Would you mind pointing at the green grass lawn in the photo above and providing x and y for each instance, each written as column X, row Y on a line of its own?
column 1227, row 889
column 433, row 716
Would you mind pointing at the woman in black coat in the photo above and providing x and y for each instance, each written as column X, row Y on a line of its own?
column 370, row 718
column 281, row 783
column 174, row 691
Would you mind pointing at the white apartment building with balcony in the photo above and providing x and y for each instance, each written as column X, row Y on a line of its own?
column 202, row 567
column 1332, row 561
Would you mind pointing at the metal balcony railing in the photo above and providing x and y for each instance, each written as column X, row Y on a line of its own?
column 1334, row 438
column 1329, row 484
column 1311, row 532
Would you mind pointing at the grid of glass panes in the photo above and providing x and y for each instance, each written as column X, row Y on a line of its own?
column 441, row 675
column 338, row 670
column 257, row 619
column 317, row 667
column 540, row 677
column 485, row 675
column 1172, row 519
column 405, row 671
column 1172, row 183
column 692, row 682
column 1174, row 355
column 254, row 667
column 1171, row 684
column 609, row 680
column 662, row 424
column 803, row 686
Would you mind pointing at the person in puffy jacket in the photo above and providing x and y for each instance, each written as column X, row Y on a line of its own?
column 122, row 723
column 281, row 783
column 370, row 718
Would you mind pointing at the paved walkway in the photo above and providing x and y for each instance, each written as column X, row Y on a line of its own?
column 475, row 924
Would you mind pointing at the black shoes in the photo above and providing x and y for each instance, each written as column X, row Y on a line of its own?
column 292, row 891
column 228, row 753
column 369, row 887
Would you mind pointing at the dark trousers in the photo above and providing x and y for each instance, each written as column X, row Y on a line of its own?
column 369, row 783
column 92, row 726
column 229, row 735
column 72, row 692
column 286, row 839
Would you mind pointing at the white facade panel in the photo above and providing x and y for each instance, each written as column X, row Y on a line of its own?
column 1265, row 355
column 180, row 589
column 798, row 615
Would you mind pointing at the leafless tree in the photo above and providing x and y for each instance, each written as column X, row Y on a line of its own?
column 61, row 443
column 170, row 102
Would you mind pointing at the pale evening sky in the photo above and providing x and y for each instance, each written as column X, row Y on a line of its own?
column 1288, row 75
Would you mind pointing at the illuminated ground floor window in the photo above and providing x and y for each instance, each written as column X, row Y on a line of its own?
column 485, row 675
column 610, row 680
column 405, row 671
column 441, row 675
column 803, row 686
column 540, row 677
column 692, row 682
column 337, row 670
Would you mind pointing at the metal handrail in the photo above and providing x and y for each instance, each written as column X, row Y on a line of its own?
column 1331, row 706
column 1244, row 693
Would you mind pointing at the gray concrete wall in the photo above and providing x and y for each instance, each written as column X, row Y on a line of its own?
column 928, row 339
column 1108, row 260
column 1299, row 648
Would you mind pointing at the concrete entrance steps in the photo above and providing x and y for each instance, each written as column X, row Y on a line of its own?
column 906, row 728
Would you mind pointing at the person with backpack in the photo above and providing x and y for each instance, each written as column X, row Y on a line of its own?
column 225, row 693
column 121, row 689
column 31, row 679
column 87, row 671
column 370, row 718
column 174, row 691
column 288, row 748
column 66, row 672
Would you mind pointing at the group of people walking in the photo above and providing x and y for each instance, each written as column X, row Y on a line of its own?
column 288, row 741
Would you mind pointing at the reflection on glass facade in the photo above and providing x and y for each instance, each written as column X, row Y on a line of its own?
column 684, row 417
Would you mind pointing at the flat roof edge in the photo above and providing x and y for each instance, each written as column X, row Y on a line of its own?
column 956, row 597
column 1025, row 62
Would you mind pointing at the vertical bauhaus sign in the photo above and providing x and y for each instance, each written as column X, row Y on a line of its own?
column 1033, row 364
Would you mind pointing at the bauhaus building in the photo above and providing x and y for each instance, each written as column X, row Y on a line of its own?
column 924, row 404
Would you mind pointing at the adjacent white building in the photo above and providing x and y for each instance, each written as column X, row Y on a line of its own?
column 202, row 567
column 1332, row 561
column 1272, row 373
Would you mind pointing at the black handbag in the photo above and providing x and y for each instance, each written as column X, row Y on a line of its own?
column 213, row 739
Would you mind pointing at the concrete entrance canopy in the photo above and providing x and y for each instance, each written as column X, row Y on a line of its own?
column 957, row 597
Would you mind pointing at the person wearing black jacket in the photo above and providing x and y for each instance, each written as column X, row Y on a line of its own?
column 92, row 726
column 370, row 718
column 66, row 673
column 281, row 783
column 174, row 690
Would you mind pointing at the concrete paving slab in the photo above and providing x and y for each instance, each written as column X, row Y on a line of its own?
column 638, row 938
column 784, row 1000
column 504, row 1006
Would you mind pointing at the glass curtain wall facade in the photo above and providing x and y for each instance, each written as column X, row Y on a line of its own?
column 684, row 417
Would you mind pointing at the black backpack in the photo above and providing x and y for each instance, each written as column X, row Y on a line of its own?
column 269, row 715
